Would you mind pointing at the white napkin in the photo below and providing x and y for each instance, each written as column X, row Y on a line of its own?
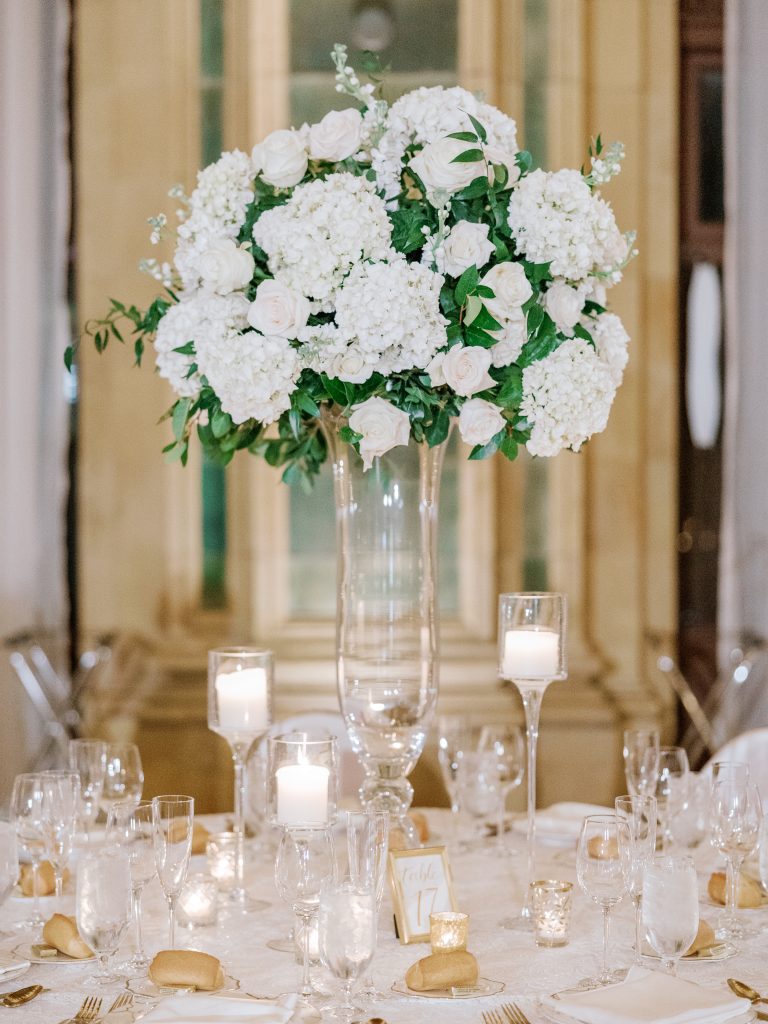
column 9, row 964
column 649, row 997
column 205, row 1009
column 564, row 820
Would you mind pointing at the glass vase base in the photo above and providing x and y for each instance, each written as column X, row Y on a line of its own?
column 239, row 902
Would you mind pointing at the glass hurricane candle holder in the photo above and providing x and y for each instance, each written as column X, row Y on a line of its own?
column 302, row 781
column 240, row 710
column 551, row 902
column 221, row 857
column 198, row 902
column 448, row 931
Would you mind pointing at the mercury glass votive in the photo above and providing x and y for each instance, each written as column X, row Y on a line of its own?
column 198, row 902
column 448, row 931
column 551, row 907
column 221, row 856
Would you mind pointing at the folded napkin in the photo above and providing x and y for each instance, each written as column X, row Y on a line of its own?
column 564, row 820
column 10, row 964
column 456, row 969
column 60, row 931
column 649, row 997
column 204, row 1009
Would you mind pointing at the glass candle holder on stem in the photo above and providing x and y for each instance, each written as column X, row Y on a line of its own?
column 240, row 710
column 532, row 630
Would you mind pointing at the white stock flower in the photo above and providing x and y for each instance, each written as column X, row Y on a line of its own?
column 281, row 158
column 611, row 341
column 567, row 396
column 479, row 421
column 511, row 289
column 382, row 425
column 337, row 135
column 512, row 337
column 465, row 368
column 277, row 309
column 467, row 245
column 564, row 304
column 435, row 166
column 224, row 267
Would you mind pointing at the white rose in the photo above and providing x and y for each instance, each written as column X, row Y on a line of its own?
column 465, row 368
column 382, row 425
column 479, row 421
column 496, row 155
column 564, row 303
column 511, row 290
column 224, row 267
column 510, row 344
column 350, row 366
column 278, row 310
column 467, row 244
column 433, row 165
column 337, row 136
column 281, row 158
column 435, row 369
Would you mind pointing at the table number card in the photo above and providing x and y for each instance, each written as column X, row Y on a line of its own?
column 421, row 884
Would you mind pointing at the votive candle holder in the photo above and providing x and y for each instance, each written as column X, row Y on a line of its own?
column 448, row 931
column 551, row 907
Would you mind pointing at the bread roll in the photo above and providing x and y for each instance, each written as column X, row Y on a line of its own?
column 603, row 849
column 750, row 894
column 46, row 879
column 183, row 968
column 421, row 825
column 705, row 936
column 61, row 931
column 442, row 970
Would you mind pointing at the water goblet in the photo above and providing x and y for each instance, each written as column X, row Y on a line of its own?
column 691, row 825
column 173, row 818
column 505, row 742
column 479, row 787
column 735, row 817
column 453, row 741
column 27, row 815
column 602, row 875
column 89, row 759
column 367, row 847
column 61, row 801
column 9, row 864
column 670, row 907
column 641, row 761
column 637, row 845
column 347, row 934
column 103, row 905
column 671, row 790
column 132, row 829
column 123, row 776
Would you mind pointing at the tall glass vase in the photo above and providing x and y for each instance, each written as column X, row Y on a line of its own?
column 386, row 617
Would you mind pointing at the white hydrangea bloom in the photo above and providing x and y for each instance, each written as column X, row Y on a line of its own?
column 509, row 345
column 428, row 114
column 567, row 396
column 611, row 340
column 326, row 227
column 556, row 218
column 216, row 210
column 388, row 320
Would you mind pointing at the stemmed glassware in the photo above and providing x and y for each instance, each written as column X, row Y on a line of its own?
column 367, row 847
column 89, row 759
column 123, row 776
column 671, row 790
column 240, row 710
column 670, row 907
column 735, row 817
column 641, row 761
column 479, row 788
column 602, row 874
column 103, row 902
column 347, row 934
column 132, row 828
column 9, row 863
column 61, row 801
column 532, row 631
column 27, row 814
column 172, row 822
column 637, row 845
column 505, row 744
column 454, row 739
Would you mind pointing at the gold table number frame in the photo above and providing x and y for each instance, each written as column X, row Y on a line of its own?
column 421, row 884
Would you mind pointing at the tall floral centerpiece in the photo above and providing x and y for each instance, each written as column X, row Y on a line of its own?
column 350, row 289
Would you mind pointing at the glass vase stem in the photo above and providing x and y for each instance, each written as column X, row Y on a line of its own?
column 532, row 697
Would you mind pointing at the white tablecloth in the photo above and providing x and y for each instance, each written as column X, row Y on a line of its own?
column 489, row 888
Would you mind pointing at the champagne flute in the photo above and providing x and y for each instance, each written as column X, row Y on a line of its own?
column 735, row 816
column 61, row 800
column 103, row 902
column 27, row 813
column 670, row 907
column 9, row 864
column 89, row 759
column 367, row 847
column 601, row 872
column 671, row 789
column 505, row 743
column 123, row 776
column 132, row 828
column 347, row 936
column 641, row 761
column 172, row 822
column 637, row 844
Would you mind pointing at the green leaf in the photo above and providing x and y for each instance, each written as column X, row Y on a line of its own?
column 524, row 161
column 466, row 284
column 476, row 336
column 511, row 392
column 335, row 389
column 581, row 332
column 437, row 431
column 69, row 355
column 479, row 128
column 463, row 136
column 500, row 176
column 509, row 447
column 469, row 156
column 486, row 450
column 593, row 308
column 349, row 436
column 407, row 223
column 538, row 347
column 180, row 416
column 485, row 321
column 304, row 402
column 477, row 187
column 186, row 350
column 535, row 318
column 537, row 272
column 221, row 423
column 474, row 306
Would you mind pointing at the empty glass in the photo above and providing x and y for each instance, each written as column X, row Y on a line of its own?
column 671, row 790
column 103, row 902
column 123, row 776
column 505, row 743
column 132, row 828
column 601, row 871
column 367, row 846
column 637, row 845
column 479, row 787
column 61, row 802
column 172, row 822
column 89, row 759
column 641, row 760
column 454, row 739
column 670, row 907
column 735, row 817
column 9, row 863
column 347, row 934
column 690, row 826
column 27, row 814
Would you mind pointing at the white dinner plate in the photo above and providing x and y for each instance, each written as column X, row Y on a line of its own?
column 484, row 987
column 24, row 952
column 144, row 986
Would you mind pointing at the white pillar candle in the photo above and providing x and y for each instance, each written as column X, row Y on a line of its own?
column 302, row 794
column 531, row 654
column 242, row 701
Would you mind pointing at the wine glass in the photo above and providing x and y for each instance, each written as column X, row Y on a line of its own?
column 123, row 776
column 89, row 759
column 479, row 787
column 9, row 864
column 27, row 814
column 671, row 789
column 602, row 874
column 454, row 740
column 691, row 826
column 637, row 845
column 103, row 902
column 735, row 817
column 347, row 935
column 505, row 743
column 173, row 818
column 532, row 631
column 367, row 847
column 641, row 761
column 61, row 801
column 305, row 862
column 132, row 828
column 670, row 907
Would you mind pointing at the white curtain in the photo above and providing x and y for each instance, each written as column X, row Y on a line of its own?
column 744, row 541
column 34, row 319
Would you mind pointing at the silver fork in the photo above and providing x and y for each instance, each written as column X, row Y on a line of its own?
column 123, row 1002
column 88, row 1012
column 492, row 1017
column 514, row 1014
